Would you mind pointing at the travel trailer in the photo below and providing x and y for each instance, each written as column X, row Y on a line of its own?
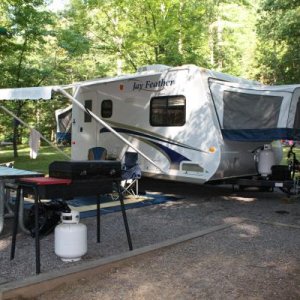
column 187, row 123
column 191, row 124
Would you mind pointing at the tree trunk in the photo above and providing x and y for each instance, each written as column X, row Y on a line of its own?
column 15, row 139
column 16, row 128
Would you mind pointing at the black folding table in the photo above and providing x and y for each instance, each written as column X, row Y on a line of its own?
column 65, row 188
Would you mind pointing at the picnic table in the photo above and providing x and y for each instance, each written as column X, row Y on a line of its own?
column 9, row 175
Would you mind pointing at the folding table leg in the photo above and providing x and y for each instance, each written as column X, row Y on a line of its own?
column 98, row 218
column 15, row 228
column 37, row 233
column 124, row 217
column 21, row 215
column 2, row 206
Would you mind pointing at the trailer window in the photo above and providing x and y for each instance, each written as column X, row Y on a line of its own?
column 167, row 111
column 106, row 108
column 89, row 105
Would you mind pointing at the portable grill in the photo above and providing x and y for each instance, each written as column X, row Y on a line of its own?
column 68, row 179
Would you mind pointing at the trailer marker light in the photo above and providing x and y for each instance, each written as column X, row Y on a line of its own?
column 121, row 87
column 212, row 149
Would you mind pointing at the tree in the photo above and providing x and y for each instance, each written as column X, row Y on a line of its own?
column 24, row 36
column 143, row 32
column 97, row 38
column 279, row 41
column 213, row 34
column 232, row 36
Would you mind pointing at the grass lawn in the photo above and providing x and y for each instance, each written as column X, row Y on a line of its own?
column 285, row 152
column 49, row 154
column 46, row 155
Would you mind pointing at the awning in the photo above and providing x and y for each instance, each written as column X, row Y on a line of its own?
column 45, row 93
column 28, row 93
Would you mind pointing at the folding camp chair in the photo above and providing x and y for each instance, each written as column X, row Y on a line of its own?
column 97, row 153
column 8, row 187
column 9, row 164
column 131, row 173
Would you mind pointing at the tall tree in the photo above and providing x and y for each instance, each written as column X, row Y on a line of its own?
column 278, row 53
column 232, row 36
column 134, row 33
column 209, row 33
column 25, row 24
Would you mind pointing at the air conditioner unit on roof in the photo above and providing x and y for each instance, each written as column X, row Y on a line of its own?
column 154, row 68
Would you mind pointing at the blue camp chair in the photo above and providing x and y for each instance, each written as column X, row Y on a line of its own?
column 131, row 173
column 97, row 153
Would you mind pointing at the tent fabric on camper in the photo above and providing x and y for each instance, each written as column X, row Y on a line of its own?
column 63, row 118
column 260, row 113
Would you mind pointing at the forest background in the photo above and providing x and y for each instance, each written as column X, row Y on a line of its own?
column 258, row 39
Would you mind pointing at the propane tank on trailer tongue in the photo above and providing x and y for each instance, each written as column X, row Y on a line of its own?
column 266, row 159
column 70, row 237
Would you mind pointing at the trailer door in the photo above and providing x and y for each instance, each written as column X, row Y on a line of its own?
column 84, row 129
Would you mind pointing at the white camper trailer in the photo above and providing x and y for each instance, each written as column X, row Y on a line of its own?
column 187, row 123
column 195, row 125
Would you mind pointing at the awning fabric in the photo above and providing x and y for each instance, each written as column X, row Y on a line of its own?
column 29, row 93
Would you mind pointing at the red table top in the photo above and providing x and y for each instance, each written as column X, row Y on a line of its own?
column 45, row 180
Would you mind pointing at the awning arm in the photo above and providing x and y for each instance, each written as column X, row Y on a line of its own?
column 108, row 127
column 27, row 125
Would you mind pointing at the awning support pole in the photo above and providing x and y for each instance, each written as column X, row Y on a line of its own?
column 109, row 128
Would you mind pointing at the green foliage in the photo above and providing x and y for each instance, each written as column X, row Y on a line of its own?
column 279, row 41
column 172, row 32
column 73, row 42
column 82, row 42
column 233, row 39
column 26, row 60
column 97, row 38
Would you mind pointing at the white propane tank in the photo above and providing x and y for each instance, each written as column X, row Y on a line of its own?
column 266, row 159
column 70, row 237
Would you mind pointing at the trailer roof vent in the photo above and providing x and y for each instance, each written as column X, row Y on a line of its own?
column 152, row 68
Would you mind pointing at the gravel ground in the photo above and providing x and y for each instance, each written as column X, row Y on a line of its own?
column 245, row 265
column 252, row 260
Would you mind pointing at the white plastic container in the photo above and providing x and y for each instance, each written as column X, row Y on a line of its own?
column 70, row 237
column 266, row 159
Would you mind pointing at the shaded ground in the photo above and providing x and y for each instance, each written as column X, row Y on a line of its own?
column 237, row 263
column 252, row 260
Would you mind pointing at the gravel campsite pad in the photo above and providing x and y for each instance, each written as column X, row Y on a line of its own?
column 257, row 257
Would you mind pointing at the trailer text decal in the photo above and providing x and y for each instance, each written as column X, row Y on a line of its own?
column 152, row 85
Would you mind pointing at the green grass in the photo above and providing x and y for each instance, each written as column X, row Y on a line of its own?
column 46, row 155
column 285, row 152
